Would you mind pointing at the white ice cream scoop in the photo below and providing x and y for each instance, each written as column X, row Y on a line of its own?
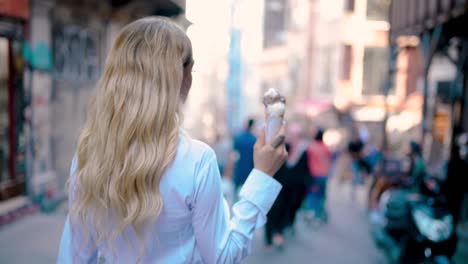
column 275, row 107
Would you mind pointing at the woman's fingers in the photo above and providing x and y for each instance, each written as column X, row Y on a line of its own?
column 278, row 141
column 280, row 138
column 284, row 153
column 282, row 130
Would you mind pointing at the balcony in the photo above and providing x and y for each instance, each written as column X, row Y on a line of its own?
column 412, row 17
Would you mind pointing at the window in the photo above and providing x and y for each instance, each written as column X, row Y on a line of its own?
column 5, row 126
column 375, row 70
column 378, row 9
column 349, row 5
column 76, row 53
column 326, row 87
column 275, row 23
column 347, row 62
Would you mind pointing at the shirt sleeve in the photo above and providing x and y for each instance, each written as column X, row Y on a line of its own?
column 74, row 248
column 222, row 239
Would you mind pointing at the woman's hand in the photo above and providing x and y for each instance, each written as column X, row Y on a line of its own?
column 269, row 158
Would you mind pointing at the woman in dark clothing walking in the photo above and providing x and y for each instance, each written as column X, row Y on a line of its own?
column 293, row 177
column 276, row 217
column 295, row 181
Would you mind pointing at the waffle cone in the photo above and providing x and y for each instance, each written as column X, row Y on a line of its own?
column 273, row 126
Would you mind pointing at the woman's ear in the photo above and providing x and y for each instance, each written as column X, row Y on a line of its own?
column 186, row 82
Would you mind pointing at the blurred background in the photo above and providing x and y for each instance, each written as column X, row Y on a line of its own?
column 391, row 72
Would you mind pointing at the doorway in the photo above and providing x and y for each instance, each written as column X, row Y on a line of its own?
column 11, row 183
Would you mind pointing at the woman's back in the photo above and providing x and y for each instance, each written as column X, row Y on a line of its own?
column 171, row 238
column 194, row 225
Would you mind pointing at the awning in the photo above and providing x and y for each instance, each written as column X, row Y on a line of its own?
column 312, row 107
column 15, row 8
column 410, row 108
column 403, row 121
column 368, row 114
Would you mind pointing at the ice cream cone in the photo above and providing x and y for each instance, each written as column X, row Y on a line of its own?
column 274, row 109
column 273, row 126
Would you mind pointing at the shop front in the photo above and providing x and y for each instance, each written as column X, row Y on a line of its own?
column 13, row 15
column 441, row 29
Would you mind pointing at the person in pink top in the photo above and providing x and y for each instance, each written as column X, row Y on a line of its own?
column 319, row 162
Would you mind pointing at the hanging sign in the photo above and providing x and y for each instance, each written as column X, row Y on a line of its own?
column 15, row 8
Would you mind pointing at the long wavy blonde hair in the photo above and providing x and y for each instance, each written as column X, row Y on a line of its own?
column 131, row 132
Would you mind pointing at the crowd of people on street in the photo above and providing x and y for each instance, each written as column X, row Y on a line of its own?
column 311, row 163
column 304, row 177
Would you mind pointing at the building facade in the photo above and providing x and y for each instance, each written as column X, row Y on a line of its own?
column 53, row 52
column 13, row 33
column 330, row 55
column 439, row 29
column 364, row 46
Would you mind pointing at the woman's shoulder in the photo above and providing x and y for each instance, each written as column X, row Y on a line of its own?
column 195, row 150
column 194, row 157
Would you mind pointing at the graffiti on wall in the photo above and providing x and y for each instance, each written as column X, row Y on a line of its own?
column 76, row 53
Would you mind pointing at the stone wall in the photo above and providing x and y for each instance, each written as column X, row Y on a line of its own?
column 40, row 169
column 78, row 35
column 79, row 47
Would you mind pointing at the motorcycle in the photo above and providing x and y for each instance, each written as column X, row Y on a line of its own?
column 415, row 227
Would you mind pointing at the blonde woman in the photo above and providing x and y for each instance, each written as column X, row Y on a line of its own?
column 140, row 190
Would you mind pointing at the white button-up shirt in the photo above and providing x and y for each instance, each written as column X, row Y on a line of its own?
column 195, row 224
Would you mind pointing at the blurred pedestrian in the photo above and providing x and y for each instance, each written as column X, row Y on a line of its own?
column 319, row 164
column 141, row 191
column 456, row 187
column 292, row 176
column 388, row 173
column 276, row 221
column 298, row 173
column 243, row 145
column 417, row 170
column 358, row 164
column 372, row 156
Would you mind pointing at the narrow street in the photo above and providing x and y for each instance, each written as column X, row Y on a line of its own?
column 345, row 239
column 34, row 239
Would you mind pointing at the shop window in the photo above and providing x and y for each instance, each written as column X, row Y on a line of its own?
column 4, row 112
column 375, row 70
column 275, row 23
column 349, row 5
column 347, row 62
column 378, row 9
column 12, row 155
column 76, row 53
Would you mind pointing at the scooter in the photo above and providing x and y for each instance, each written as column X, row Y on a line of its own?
column 415, row 227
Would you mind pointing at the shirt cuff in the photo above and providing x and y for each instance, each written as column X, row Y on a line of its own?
column 261, row 190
